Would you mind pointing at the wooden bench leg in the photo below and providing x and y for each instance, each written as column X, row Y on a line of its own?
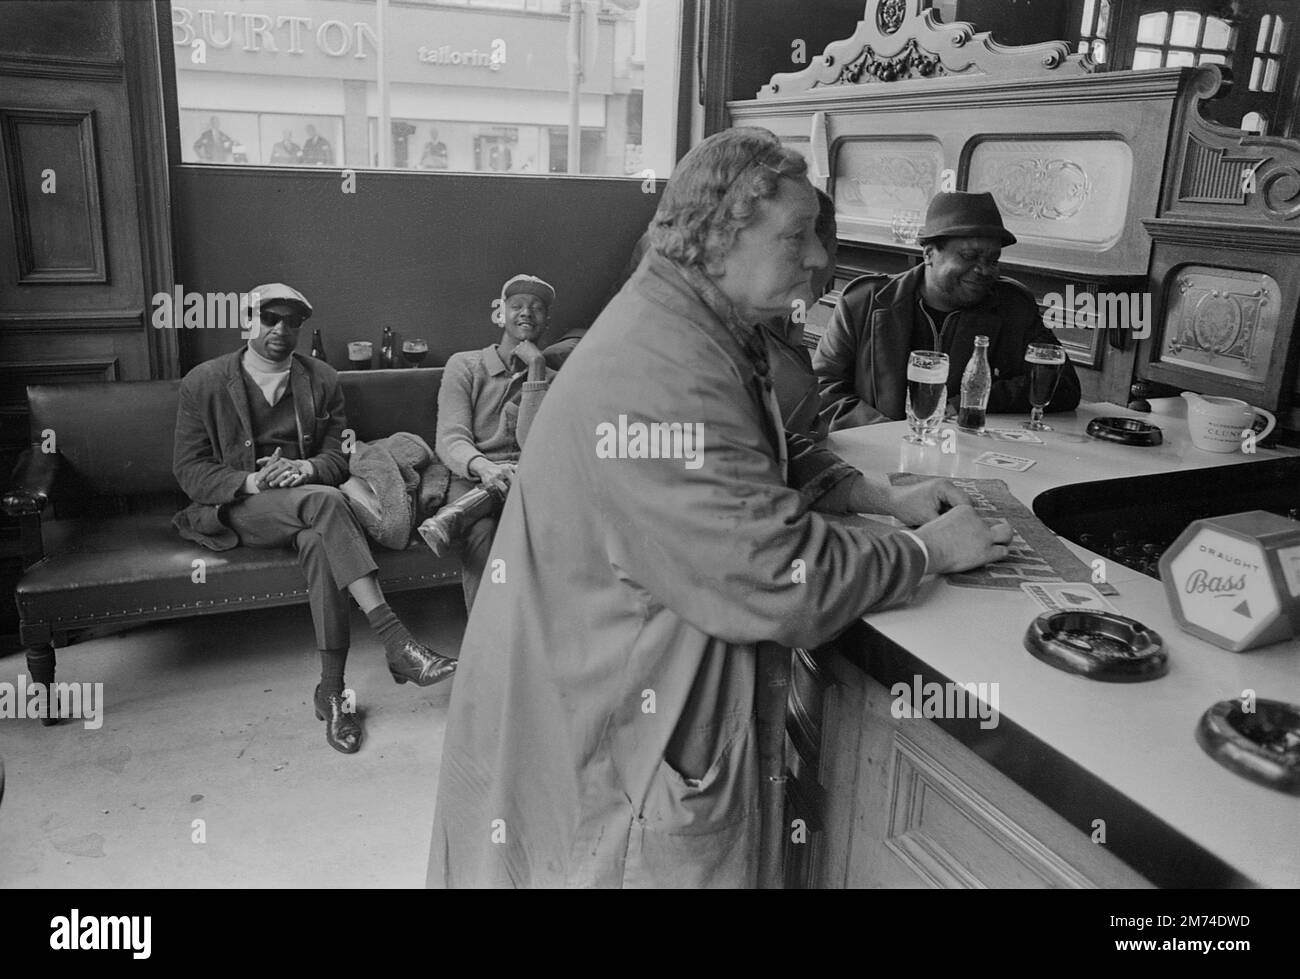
column 40, row 667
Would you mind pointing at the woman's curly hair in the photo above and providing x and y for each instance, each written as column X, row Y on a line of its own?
column 714, row 193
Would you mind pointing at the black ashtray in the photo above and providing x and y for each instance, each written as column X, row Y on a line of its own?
column 1098, row 645
column 1262, row 745
column 1126, row 431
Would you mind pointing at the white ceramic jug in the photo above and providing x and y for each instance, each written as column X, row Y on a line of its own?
column 1220, row 424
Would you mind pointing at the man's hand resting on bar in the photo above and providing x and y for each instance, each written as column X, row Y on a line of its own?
column 919, row 503
column 960, row 540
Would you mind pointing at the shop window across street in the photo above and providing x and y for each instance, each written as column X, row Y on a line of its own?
column 491, row 86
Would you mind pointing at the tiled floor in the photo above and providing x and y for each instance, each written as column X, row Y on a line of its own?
column 210, row 719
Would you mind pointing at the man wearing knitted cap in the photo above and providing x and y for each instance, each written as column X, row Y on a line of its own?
column 259, row 452
column 955, row 295
column 486, row 405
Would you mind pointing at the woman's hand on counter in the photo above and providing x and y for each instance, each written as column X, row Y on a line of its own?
column 959, row 540
column 919, row 503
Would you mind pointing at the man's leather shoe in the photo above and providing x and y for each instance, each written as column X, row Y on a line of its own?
column 444, row 528
column 342, row 727
column 419, row 664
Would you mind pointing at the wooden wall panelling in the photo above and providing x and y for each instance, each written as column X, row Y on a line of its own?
column 1223, row 271
column 53, row 194
column 926, row 811
column 80, row 95
column 1068, row 154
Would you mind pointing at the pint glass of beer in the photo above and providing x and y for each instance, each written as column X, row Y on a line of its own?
column 927, row 393
column 1045, row 361
column 359, row 354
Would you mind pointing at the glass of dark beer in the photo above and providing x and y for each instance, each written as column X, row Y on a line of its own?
column 927, row 393
column 414, row 351
column 1045, row 361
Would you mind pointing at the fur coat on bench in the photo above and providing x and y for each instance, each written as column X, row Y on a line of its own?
column 395, row 483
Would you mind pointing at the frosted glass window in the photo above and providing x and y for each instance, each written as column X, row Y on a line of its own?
column 1279, row 31
column 1187, row 26
column 1151, row 28
column 1213, row 59
column 1253, row 122
column 1218, row 35
column 1099, row 52
column 1145, row 58
column 1103, row 18
column 1270, row 77
column 1180, row 59
column 1261, row 41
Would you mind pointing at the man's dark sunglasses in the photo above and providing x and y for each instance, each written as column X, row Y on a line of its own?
column 292, row 321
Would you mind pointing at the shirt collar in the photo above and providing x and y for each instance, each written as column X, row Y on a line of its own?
column 493, row 362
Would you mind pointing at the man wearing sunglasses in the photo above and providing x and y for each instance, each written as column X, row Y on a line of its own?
column 259, row 452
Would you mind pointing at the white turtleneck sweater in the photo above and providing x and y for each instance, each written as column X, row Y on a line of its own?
column 271, row 377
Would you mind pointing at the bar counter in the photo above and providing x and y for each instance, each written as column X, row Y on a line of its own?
column 1080, row 783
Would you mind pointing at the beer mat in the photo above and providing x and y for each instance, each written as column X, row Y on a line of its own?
column 1036, row 554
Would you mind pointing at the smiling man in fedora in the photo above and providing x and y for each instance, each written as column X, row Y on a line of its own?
column 955, row 295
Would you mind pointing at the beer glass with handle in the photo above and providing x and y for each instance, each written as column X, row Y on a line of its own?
column 1045, row 361
column 927, row 392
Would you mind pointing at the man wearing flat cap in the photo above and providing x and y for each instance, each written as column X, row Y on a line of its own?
column 942, row 304
column 486, row 405
column 259, row 452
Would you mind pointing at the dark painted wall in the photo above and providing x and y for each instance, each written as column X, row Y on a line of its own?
column 423, row 253
column 766, row 30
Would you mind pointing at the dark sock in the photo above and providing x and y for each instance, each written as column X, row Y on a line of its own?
column 332, row 662
column 388, row 627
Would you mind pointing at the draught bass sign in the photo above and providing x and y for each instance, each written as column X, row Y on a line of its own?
column 1235, row 580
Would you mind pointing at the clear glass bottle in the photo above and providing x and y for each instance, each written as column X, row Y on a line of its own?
column 976, row 382
column 387, row 357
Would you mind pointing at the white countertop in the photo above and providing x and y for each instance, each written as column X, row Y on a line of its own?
column 1136, row 737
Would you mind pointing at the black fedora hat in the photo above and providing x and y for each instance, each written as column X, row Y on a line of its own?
column 957, row 214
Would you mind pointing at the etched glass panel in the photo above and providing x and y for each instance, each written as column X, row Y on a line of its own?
column 885, row 185
column 1064, row 192
column 1221, row 321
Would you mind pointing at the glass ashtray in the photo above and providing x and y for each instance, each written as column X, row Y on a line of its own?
column 1099, row 645
column 1126, row 431
column 1262, row 745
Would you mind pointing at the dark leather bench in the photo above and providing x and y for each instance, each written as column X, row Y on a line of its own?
column 100, row 552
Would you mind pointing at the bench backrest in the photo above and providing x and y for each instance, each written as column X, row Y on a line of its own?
column 118, row 436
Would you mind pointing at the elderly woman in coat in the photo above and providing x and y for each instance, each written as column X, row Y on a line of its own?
column 602, row 729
